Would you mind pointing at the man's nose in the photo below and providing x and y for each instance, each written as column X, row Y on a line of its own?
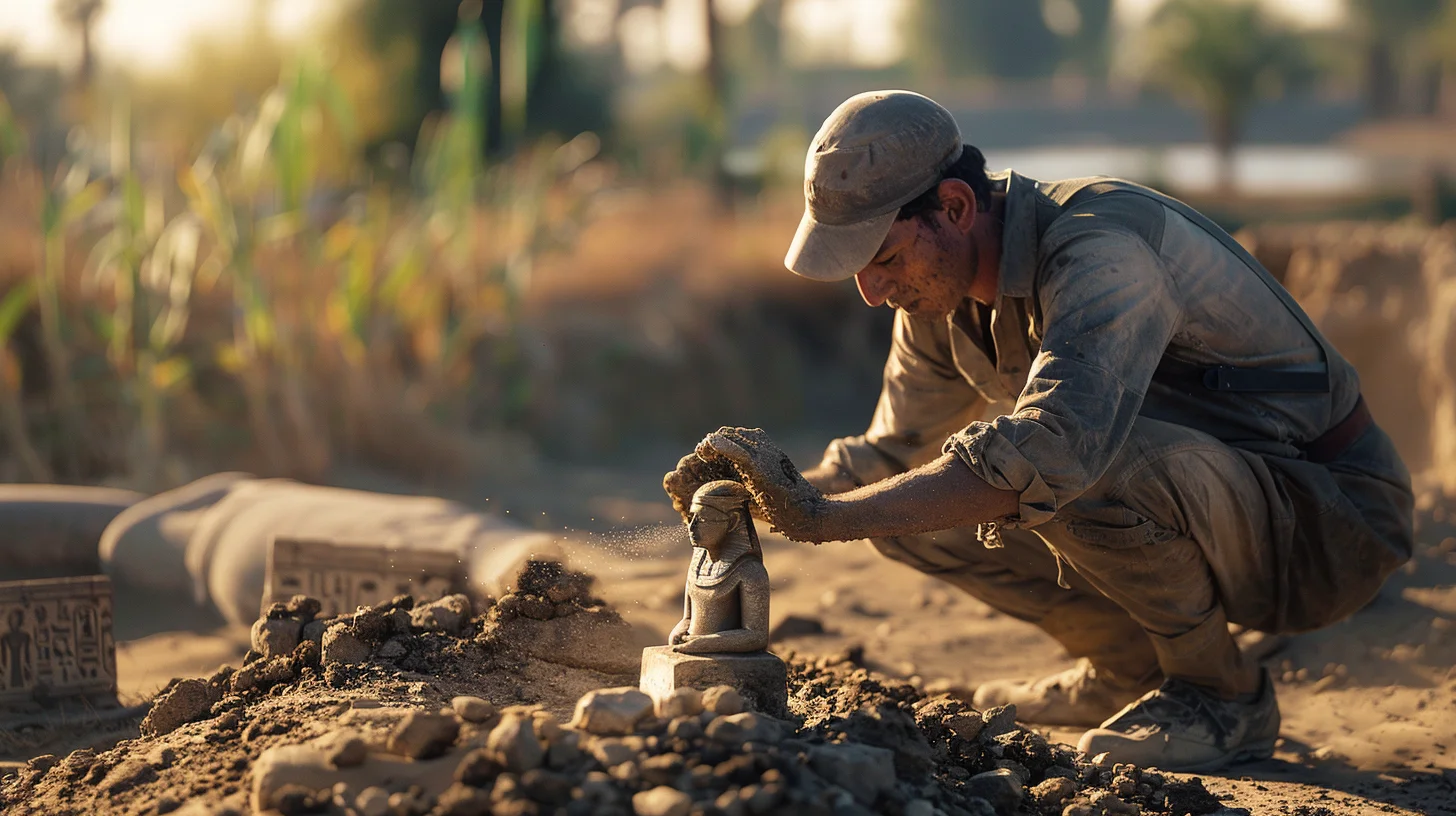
column 873, row 286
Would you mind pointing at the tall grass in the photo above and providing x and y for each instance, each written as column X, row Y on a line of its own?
column 247, row 304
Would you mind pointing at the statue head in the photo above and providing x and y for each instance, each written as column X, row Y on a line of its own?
column 719, row 509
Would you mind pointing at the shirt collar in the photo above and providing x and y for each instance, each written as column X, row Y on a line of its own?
column 1020, row 233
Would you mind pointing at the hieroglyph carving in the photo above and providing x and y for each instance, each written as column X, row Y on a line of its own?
column 346, row 576
column 56, row 639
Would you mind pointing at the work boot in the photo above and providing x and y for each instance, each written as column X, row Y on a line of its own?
column 1080, row 696
column 1183, row 727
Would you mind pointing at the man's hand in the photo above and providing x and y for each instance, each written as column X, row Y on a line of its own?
column 691, row 473
column 786, row 500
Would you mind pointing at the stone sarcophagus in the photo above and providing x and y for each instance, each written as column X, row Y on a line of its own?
column 344, row 576
column 56, row 640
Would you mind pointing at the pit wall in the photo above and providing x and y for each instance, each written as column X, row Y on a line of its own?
column 1385, row 296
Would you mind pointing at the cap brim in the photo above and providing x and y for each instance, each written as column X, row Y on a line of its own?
column 825, row 252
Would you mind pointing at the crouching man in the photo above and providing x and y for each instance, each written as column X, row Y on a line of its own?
column 1099, row 415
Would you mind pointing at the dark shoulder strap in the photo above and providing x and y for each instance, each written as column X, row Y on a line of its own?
column 1108, row 186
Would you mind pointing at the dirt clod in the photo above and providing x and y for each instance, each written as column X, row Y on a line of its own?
column 187, row 701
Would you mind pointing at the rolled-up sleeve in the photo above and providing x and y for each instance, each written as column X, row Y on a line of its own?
column 924, row 399
column 1109, row 310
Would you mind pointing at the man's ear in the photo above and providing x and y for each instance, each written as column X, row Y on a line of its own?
column 958, row 202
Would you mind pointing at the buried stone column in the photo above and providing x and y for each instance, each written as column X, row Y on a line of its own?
column 723, row 635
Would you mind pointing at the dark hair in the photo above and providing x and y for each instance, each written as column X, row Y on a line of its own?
column 970, row 168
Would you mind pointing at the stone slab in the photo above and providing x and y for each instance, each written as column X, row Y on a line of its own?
column 56, row 640
column 345, row 576
column 760, row 677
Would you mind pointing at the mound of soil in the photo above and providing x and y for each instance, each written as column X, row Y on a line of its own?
column 405, row 710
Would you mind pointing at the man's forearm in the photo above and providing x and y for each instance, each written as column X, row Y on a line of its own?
column 938, row 496
column 829, row 478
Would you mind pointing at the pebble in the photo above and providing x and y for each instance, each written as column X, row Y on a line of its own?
column 613, row 711
column 722, row 700
column 680, row 702
column 449, row 614
column 188, row 700
column 1000, row 787
column 473, row 709
column 1053, row 792
column 999, row 720
column 341, row 645
column 513, row 744
column 611, row 752
column 345, row 749
column 661, row 801
column 422, row 735
column 478, row 769
column 865, row 771
column 736, row 729
column 276, row 637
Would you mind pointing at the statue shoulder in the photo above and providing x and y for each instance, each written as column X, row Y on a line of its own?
column 752, row 571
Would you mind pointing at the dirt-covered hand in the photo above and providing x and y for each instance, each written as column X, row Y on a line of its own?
column 784, row 498
column 691, row 473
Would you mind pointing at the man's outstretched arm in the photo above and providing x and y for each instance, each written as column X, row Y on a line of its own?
column 937, row 496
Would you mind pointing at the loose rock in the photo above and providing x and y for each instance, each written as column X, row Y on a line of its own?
column 611, row 711
column 187, row 701
column 473, row 709
column 276, row 637
column 445, row 615
column 722, row 700
column 662, row 801
column 1001, row 787
column 513, row 744
column 342, row 646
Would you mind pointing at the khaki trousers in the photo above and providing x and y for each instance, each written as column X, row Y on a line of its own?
column 1183, row 535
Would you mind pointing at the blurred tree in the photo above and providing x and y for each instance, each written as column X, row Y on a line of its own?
column 1084, row 27
column 544, row 90
column 1226, row 54
column 80, row 17
column 957, row 38
column 1389, row 31
column 1443, row 42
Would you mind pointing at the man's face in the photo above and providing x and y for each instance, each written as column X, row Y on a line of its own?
column 923, row 268
column 926, row 264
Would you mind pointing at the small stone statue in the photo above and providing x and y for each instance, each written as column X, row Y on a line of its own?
column 725, row 605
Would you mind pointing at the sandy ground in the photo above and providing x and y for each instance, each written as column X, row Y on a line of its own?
column 1377, row 736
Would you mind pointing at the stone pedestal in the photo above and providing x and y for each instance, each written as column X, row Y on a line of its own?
column 760, row 677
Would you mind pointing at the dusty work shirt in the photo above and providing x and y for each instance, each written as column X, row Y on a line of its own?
column 1108, row 298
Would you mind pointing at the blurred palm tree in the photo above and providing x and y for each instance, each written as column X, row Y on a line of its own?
column 80, row 17
column 1227, row 55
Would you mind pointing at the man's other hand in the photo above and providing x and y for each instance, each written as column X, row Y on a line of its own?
column 691, row 473
column 785, row 498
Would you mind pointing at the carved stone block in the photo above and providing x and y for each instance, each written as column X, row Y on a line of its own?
column 344, row 576
column 56, row 640
column 760, row 677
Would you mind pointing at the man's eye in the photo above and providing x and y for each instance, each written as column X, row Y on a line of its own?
column 890, row 260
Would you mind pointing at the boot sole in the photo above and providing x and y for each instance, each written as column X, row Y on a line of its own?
column 1263, row 749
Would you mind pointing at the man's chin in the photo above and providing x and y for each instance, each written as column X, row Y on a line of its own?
column 921, row 309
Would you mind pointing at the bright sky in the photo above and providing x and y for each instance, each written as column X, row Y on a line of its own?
column 148, row 34
column 153, row 34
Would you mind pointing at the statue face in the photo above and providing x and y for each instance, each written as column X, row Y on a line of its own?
column 708, row 527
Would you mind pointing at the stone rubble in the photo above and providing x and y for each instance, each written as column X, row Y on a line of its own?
column 293, row 734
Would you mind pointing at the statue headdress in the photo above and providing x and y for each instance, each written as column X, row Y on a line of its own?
column 727, row 497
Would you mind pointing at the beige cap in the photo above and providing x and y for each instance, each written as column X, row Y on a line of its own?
column 875, row 153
